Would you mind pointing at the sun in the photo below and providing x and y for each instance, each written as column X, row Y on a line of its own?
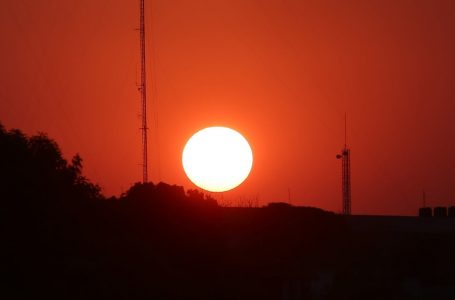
column 217, row 159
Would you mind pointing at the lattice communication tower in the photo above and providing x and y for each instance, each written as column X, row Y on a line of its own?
column 345, row 157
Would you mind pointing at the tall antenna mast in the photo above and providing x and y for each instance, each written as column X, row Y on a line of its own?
column 346, row 174
column 143, row 90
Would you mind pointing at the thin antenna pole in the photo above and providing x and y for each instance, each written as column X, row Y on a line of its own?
column 143, row 89
column 424, row 199
column 345, row 131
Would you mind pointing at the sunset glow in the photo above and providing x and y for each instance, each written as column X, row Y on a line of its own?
column 282, row 72
column 217, row 159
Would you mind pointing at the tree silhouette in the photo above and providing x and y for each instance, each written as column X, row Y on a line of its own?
column 33, row 167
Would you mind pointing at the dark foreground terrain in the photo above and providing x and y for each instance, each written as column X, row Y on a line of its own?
column 61, row 239
column 119, row 251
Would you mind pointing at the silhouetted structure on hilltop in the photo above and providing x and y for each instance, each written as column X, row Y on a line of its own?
column 345, row 157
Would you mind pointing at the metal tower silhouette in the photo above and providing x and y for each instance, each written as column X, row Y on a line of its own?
column 143, row 90
column 345, row 157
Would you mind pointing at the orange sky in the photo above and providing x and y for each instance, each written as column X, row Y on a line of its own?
column 281, row 72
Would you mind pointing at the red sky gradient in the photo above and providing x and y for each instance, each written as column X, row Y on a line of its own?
column 283, row 73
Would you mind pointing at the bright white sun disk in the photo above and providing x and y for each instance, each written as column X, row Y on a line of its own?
column 217, row 159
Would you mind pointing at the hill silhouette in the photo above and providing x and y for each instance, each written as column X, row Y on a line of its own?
column 62, row 239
